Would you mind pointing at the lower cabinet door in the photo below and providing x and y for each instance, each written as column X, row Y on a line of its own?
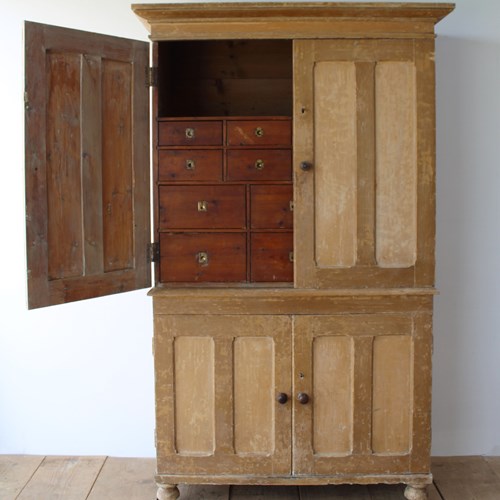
column 217, row 382
column 367, row 379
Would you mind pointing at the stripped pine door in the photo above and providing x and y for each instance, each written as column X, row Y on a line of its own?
column 217, row 379
column 364, row 127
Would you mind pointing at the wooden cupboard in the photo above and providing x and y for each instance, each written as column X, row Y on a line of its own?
column 293, row 227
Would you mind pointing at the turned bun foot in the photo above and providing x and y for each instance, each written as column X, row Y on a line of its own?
column 416, row 492
column 167, row 492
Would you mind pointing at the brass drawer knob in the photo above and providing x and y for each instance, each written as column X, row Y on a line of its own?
column 259, row 164
column 282, row 398
column 190, row 133
column 290, row 256
column 259, row 132
column 302, row 398
column 291, row 205
column 190, row 165
column 202, row 258
column 202, row 206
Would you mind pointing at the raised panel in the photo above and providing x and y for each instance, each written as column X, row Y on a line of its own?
column 254, row 395
column 396, row 164
column 335, row 203
column 194, row 395
column 392, row 395
column 333, row 396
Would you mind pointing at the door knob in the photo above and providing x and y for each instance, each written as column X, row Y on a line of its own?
column 282, row 398
column 305, row 166
column 302, row 398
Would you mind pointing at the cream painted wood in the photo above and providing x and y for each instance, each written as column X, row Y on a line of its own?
column 396, row 168
column 218, row 376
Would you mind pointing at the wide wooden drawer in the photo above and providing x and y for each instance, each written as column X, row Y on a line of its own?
column 271, row 207
column 259, row 132
column 202, row 207
column 190, row 133
column 272, row 257
column 198, row 257
column 259, row 165
column 191, row 165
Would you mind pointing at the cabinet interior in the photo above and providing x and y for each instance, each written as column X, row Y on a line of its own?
column 225, row 78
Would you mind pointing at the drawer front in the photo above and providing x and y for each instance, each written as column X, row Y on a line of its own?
column 214, row 257
column 202, row 207
column 271, row 207
column 259, row 132
column 270, row 257
column 190, row 133
column 195, row 165
column 259, row 165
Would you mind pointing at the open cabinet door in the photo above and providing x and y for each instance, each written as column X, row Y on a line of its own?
column 87, row 165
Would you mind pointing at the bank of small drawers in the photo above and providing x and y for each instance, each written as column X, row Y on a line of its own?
column 225, row 200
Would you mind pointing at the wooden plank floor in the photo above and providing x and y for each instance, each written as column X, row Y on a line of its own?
column 105, row 478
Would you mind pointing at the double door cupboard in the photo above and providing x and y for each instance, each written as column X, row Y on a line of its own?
column 293, row 188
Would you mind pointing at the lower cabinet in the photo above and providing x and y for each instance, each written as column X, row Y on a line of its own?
column 284, row 397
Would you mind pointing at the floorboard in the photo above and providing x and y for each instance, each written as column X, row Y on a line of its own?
column 15, row 472
column 125, row 478
column 63, row 478
column 100, row 478
column 465, row 478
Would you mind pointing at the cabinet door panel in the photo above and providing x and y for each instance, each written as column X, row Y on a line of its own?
column 360, row 373
column 364, row 211
column 217, row 378
column 87, row 165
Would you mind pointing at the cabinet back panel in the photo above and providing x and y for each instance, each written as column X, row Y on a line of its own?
column 225, row 78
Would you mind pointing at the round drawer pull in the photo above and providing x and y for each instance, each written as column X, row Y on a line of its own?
column 202, row 258
column 259, row 165
column 282, row 398
column 302, row 398
column 190, row 165
column 305, row 166
column 259, row 132
column 190, row 133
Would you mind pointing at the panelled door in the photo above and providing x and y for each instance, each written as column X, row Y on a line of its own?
column 217, row 382
column 364, row 163
column 367, row 381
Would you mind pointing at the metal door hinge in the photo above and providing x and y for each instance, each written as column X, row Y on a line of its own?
column 153, row 252
column 152, row 76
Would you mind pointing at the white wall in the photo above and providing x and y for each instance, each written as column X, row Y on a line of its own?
column 78, row 378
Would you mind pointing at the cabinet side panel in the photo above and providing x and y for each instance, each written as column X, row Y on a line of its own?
column 65, row 257
column 333, row 399
column 117, row 165
column 254, row 383
column 335, row 130
column 392, row 399
column 396, row 168
column 194, row 395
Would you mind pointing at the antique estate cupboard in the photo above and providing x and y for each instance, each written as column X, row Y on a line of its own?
column 293, row 227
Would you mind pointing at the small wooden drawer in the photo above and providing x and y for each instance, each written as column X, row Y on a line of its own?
column 202, row 207
column 190, row 133
column 271, row 207
column 192, row 165
column 259, row 165
column 259, row 133
column 198, row 257
column 272, row 257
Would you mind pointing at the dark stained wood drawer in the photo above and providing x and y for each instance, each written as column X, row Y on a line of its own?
column 198, row 257
column 259, row 165
column 271, row 207
column 202, row 207
column 190, row 133
column 259, row 133
column 191, row 165
column 271, row 257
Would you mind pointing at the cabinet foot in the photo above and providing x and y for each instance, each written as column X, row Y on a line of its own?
column 167, row 492
column 416, row 492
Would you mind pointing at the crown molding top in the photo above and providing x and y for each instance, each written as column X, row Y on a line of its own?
column 290, row 20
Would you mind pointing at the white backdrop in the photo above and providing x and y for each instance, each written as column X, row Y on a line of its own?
column 78, row 378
